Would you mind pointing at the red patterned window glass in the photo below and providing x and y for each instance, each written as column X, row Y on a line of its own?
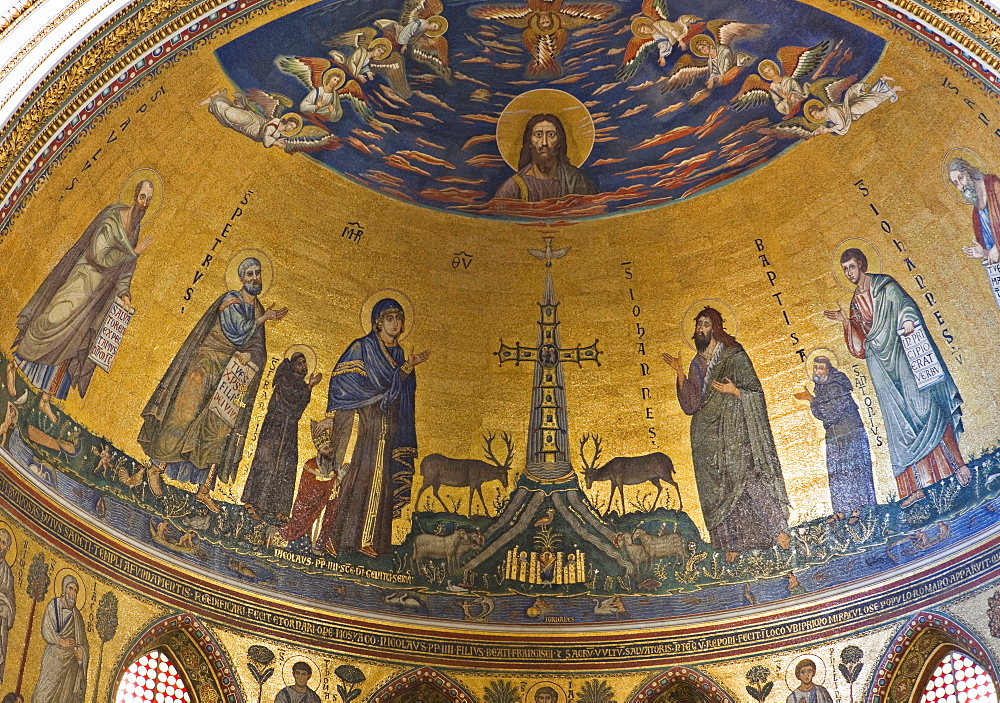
column 958, row 679
column 152, row 678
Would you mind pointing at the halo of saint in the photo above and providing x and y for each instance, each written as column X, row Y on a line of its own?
column 81, row 592
column 792, row 681
column 266, row 270
column 308, row 352
column 867, row 248
column 127, row 193
column 971, row 158
column 576, row 119
column 400, row 297
column 12, row 549
column 540, row 687
column 820, row 352
column 286, row 668
column 691, row 314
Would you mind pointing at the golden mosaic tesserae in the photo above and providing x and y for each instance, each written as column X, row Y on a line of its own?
column 552, row 351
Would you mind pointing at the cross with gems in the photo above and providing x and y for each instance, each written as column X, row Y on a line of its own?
column 547, row 434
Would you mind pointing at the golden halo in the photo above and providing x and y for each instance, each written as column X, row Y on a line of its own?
column 556, row 24
column 400, row 297
column 808, row 107
column 286, row 668
column 699, row 41
column 820, row 351
column 127, row 194
column 81, row 595
column 309, row 353
column 441, row 21
column 730, row 322
column 339, row 72
column 291, row 117
column 529, row 695
column 641, row 21
column 870, row 252
column 767, row 63
column 380, row 48
column 12, row 552
column 973, row 160
column 818, row 678
column 233, row 281
column 576, row 119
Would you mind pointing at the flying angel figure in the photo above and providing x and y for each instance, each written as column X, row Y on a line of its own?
column 782, row 86
column 653, row 30
column 714, row 60
column 261, row 116
column 369, row 56
column 546, row 26
column 328, row 85
column 837, row 102
column 358, row 62
column 419, row 35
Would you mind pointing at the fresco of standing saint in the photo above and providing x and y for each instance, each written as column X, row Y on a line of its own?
column 62, row 676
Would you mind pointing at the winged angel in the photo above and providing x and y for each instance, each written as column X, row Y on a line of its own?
column 782, row 86
column 654, row 30
column 328, row 85
column 714, row 60
column 546, row 25
column 838, row 103
column 419, row 35
column 370, row 55
column 261, row 116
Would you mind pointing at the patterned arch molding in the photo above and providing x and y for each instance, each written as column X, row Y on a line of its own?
column 901, row 667
column 193, row 649
column 417, row 677
column 653, row 688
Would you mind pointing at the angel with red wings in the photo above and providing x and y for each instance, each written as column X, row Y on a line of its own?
column 546, row 25
column 783, row 86
column 370, row 55
column 714, row 60
column 652, row 30
column 419, row 35
column 261, row 116
column 328, row 84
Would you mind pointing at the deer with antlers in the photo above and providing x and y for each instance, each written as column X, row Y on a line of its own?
column 439, row 470
column 628, row 471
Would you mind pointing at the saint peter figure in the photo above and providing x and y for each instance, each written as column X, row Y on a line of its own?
column 374, row 383
column 740, row 485
column 57, row 328
column 544, row 170
column 194, row 428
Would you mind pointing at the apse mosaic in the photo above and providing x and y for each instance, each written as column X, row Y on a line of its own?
column 652, row 103
column 267, row 340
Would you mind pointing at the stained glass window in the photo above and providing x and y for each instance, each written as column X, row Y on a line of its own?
column 958, row 679
column 152, row 678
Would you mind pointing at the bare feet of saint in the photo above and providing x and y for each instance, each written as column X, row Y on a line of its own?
column 46, row 407
column 913, row 498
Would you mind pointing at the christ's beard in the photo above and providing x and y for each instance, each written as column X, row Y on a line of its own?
column 253, row 288
column 701, row 341
column 970, row 194
column 543, row 161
